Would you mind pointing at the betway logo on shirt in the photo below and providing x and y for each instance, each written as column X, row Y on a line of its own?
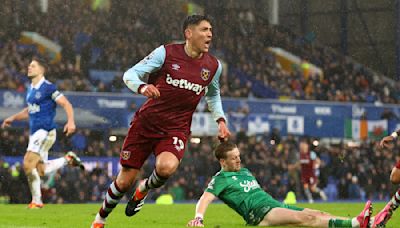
column 249, row 185
column 185, row 84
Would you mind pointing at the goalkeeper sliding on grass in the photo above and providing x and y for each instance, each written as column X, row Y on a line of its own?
column 239, row 189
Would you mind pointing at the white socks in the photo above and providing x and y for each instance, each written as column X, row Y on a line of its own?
column 34, row 185
column 323, row 195
column 34, row 178
column 53, row 165
column 355, row 223
column 99, row 219
column 308, row 195
column 396, row 200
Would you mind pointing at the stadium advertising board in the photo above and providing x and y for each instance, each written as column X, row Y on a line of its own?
column 109, row 164
column 319, row 119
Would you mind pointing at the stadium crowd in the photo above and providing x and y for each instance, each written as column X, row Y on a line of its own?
column 109, row 40
column 346, row 173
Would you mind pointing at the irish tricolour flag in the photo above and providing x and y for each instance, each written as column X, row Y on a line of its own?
column 363, row 129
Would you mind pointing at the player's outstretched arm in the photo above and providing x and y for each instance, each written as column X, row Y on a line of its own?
column 22, row 115
column 69, row 127
column 213, row 99
column 388, row 139
column 201, row 208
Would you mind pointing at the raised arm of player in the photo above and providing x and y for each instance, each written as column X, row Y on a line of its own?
column 135, row 77
column 201, row 208
column 213, row 99
column 386, row 140
column 22, row 115
column 70, row 126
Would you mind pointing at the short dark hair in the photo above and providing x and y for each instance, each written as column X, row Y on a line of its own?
column 305, row 140
column 194, row 20
column 42, row 62
column 221, row 150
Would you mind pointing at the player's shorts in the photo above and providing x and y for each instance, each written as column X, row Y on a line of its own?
column 310, row 180
column 140, row 143
column 41, row 141
column 258, row 213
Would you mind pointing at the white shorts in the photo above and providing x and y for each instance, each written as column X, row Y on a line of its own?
column 41, row 141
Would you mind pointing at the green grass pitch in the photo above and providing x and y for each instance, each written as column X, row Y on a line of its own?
column 163, row 216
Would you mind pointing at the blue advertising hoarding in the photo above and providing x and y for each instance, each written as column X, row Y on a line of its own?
column 313, row 118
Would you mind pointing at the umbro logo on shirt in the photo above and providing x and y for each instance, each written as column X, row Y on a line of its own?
column 175, row 67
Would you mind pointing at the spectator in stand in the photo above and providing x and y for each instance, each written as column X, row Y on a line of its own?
column 87, row 33
column 268, row 163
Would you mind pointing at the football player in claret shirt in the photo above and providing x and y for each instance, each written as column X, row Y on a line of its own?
column 42, row 98
column 309, row 165
column 239, row 189
column 174, row 78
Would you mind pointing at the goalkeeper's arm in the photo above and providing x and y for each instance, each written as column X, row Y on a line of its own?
column 201, row 208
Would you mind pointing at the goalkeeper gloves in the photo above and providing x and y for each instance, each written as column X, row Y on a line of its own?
column 197, row 222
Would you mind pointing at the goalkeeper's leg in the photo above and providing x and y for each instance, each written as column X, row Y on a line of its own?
column 312, row 218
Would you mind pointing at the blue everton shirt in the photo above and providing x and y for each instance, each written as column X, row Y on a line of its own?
column 42, row 106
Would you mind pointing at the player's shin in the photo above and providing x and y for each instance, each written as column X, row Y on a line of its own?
column 113, row 196
column 34, row 185
column 395, row 201
column 53, row 165
column 340, row 223
column 308, row 195
column 321, row 193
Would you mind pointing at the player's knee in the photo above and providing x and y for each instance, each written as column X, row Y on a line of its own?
column 166, row 164
column 41, row 172
column 166, row 169
column 395, row 177
column 123, row 184
column 307, row 219
column 28, row 166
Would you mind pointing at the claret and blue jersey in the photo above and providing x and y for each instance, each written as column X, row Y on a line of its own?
column 182, row 82
column 42, row 106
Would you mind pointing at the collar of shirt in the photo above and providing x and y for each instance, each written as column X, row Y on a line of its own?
column 37, row 86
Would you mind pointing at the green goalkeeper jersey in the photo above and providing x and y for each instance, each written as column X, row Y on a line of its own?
column 239, row 190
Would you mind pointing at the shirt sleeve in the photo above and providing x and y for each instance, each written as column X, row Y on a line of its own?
column 213, row 97
column 136, row 75
column 55, row 94
column 216, row 186
column 313, row 155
